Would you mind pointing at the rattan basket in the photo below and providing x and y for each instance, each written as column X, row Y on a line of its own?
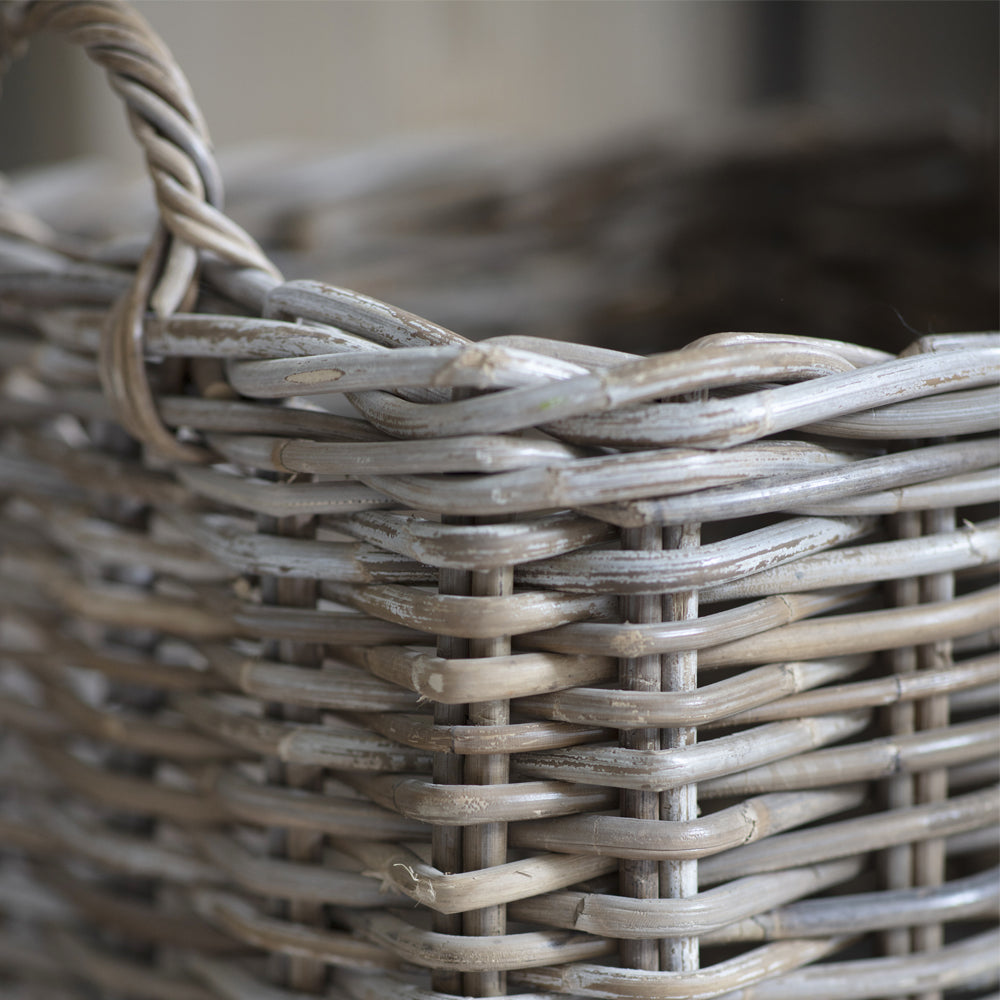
column 343, row 654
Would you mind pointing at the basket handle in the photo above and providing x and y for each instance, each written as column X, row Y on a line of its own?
column 165, row 120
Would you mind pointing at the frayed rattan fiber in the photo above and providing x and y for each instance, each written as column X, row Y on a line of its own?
column 344, row 655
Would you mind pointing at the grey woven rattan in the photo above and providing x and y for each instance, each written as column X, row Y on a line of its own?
column 344, row 654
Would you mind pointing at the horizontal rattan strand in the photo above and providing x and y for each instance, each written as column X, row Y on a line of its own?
column 135, row 919
column 599, row 408
column 356, row 313
column 87, row 404
column 862, row 633
column 53, row 832
column 73, row 284
column 974, row 699
column 457, row 681
column 23, row 895
column 718, row 423
column 463, row 891
column 281, row 499
column 973, row 411
column 229, row 416
column 611, row 983
column 977, row 774
column 103, row 544
column 35, row 720
column 393, row 939
column 658, row 770
column 588, row 571
column 449, row 893
column 623, row 571
column 337, row 686
column 969, row 683
column 868, row 979
column 195, row 335
column 118, row 664
column 965, row 676
column 766, row 493
column 981, row 841
column 77, row 718
column 959, row 900
column 700, row 366
column 115, row 974
column 162, row 737
column 294, row 809
column 119, row 791
column 878, row 758
column 469, row 617
column 20, row 836
column 241, row 922
column 592, row 357
column 757, row 687
column 628, row 639
column 854, row 836
column 419, row 731
column 338, row 747
column 234, row 544
column 262, row 621
column 972, row 961
column 468, row 805
column 590, row 482
column 28, row 477
column 115, row 604
column 951, row 414
column 973, row 488
column 970, row 546
column 462, row 953
column 534, row 613
column 59, row 367
column 479, row 546
column 663, row 840
column 482, row 453
column 482, row 366
column 232, row 981
column 710, row 910
column 105, row 475
column 318, row 883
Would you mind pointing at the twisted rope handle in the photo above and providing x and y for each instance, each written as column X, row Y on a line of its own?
column 166, row 122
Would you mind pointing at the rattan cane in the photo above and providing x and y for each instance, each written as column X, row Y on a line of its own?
column 345, row 654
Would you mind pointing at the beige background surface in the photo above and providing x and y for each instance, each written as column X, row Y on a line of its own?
column 347, row 72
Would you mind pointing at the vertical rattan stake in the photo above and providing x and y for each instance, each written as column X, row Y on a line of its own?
column 302, row 974
column 641, row 879
column 486, row 843
column 679, row 879
column 933, row 713
column 898, row 860
column 446, row 841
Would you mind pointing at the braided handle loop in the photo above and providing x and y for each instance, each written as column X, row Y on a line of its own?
column 166, row 122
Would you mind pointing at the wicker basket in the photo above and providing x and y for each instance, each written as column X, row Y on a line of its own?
column 343, row 654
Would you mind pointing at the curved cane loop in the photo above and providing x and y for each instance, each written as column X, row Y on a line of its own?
column 121, row 365
column 167, row 124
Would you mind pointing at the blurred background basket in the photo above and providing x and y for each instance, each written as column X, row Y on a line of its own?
column 588, row 651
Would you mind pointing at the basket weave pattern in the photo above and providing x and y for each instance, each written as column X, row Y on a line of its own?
column 343, row 654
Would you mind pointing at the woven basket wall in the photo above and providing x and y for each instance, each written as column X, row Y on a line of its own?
column 587, row 652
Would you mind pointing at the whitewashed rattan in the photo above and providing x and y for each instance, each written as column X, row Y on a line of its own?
column 344, row 654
